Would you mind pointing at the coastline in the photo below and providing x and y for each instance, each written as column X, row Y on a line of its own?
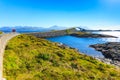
column 111, row 52
column 74, row 32
column 92, row 35
column 71, row 32
column 104, row 60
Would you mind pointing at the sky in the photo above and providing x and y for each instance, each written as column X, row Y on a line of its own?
column 93, row 14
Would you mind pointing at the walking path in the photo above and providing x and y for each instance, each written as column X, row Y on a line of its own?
column 4, row 38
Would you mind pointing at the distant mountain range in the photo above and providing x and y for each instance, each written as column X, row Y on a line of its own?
column 55, row 27
column 27, row 29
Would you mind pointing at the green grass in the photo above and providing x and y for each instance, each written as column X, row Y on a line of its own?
column 1, row 32
column 82, row 33
column 30, row 58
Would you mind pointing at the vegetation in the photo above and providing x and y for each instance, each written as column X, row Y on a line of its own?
column 1, row 32
column 30, row 58
column 82, row 33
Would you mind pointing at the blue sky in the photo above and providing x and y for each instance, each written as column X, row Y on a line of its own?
column 69, row 13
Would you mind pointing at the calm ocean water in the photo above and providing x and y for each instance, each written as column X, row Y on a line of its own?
column 82, row 44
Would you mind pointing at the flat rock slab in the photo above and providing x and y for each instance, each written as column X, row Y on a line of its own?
column 110, row 50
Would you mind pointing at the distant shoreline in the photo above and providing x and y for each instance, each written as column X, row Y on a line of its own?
column 71, row 32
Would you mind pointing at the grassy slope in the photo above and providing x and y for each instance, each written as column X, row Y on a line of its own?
column 1, row 32
column 30, row 58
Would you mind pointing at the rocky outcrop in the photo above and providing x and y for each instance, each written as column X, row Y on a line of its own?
column 110, row 50
column 54, row 33
column 109, row 61
column 90, row 35
column 72, row 32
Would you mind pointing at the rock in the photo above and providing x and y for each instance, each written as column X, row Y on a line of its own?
column 110, row 50
column 109, row 61
column 63, row 46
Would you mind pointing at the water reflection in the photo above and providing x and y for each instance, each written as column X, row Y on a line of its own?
column 111, row 39
column 113, row 33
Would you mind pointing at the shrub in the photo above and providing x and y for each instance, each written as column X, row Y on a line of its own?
column 44, row 56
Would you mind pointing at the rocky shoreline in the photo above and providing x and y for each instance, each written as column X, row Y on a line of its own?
column 111, row 52
column 105, row 60
column 91, row 35
column 109, row 61
column 71, row 32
